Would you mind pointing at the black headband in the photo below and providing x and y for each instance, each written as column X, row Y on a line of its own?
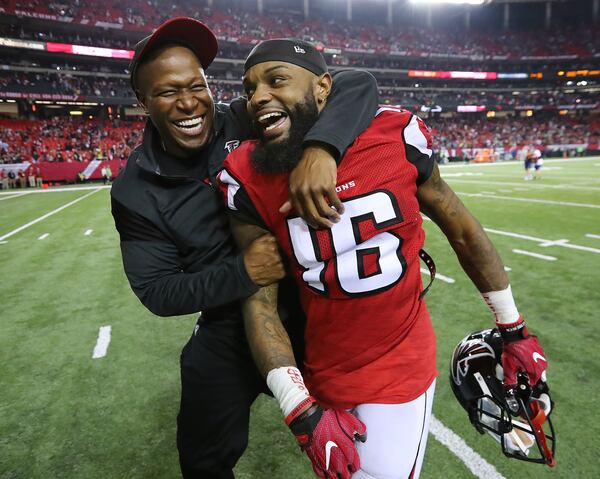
column 288, row 50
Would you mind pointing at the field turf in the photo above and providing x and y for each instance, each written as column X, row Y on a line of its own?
column 66, row 415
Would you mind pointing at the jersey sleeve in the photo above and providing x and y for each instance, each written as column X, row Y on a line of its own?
column 350, row 109
column 237, row 200
column 418, row 146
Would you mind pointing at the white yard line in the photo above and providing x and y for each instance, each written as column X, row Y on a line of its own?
column 541, row 241
column 12, row 195
column 44, row 236
column 102, row 342
column 47, row 215
column 590, row 235
column 508, row 163
column 559, row 242
column 466, row 173
column 534, row 255
column 506, row 268
column 88, row 232
column 439, row 276
column 58, row 189
column 478, row 466
column 505, row 191
column 529, row 200
column 532, row 186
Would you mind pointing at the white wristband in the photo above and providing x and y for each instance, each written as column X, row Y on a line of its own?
column 288, row 387
column 502, row 305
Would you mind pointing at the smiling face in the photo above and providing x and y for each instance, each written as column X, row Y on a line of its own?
column 174, row 93
column 275, row 90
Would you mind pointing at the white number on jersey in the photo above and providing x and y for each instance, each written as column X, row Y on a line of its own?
column 350, row 250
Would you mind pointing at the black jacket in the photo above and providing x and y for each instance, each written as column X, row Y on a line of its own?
column 178, row 252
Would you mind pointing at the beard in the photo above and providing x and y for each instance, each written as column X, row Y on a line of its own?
column 276, row 157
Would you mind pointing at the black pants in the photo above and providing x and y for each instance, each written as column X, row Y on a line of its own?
column 219, row 383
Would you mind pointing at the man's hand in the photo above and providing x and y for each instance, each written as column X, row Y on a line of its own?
column 521, row 353
column 312, row 189
column 327, row 437
column 263, row 261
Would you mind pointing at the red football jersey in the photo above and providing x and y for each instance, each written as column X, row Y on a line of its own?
column 369, row 338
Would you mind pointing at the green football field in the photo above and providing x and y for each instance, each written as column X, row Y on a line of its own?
column 64, row 414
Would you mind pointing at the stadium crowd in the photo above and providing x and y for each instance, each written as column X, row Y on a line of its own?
column 245, row 27
column 513, row 133
column 63, row 139
column 91, row 86
column 449, row 98
column 67, row 83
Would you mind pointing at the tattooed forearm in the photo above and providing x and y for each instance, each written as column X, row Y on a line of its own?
column 268, row 339
column 476, row 253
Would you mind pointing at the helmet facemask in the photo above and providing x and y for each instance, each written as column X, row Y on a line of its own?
column 515, row 418
column 517, row 421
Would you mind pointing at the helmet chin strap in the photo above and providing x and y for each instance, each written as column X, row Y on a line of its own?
column 537, row 420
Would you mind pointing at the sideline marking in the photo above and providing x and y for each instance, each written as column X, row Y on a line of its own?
column 41, row 218
column 533, row 238
column 534, row 255
column 44, row 236
column 506, row 268
column 542, row 240
column 88, row 232
column 529, row 200
column 519, row 162
column 532, row 186
column 439, row 276
column 457, row 446
column 466, row 173
column 13, row 195
column 559, row 242
column 59, row 189
column 102, row 342
column 589, row 235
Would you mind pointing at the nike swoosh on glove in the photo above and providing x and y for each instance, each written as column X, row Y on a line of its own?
column 327, row 437
column 521, row 353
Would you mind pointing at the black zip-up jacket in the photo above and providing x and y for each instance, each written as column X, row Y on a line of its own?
column 178, row 252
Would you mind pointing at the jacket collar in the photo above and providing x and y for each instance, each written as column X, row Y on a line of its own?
column 154, row 159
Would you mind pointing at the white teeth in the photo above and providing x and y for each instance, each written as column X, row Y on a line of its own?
column 192, row 122
column 266, row 116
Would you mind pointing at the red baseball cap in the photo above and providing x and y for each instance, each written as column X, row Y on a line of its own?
column 185, row 31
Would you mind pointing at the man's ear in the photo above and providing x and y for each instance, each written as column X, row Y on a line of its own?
column 141, row 102
column 324, row 83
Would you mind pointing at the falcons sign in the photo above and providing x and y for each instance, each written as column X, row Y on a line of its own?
column 471, row 349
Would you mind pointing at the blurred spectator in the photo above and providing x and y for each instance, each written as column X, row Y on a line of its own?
column 245, row 27
column 65, row 139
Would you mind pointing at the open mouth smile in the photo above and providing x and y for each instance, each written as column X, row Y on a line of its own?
column 190, row 126
column 273, row 123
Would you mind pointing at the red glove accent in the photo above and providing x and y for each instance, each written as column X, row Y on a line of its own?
column 521, row 353
column 327, row 437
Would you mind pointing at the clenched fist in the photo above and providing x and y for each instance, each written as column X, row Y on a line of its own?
column 263, row 262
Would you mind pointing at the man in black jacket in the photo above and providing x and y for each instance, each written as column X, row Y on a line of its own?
column 178, row 253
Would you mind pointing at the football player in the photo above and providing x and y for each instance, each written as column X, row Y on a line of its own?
column 370, row 345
